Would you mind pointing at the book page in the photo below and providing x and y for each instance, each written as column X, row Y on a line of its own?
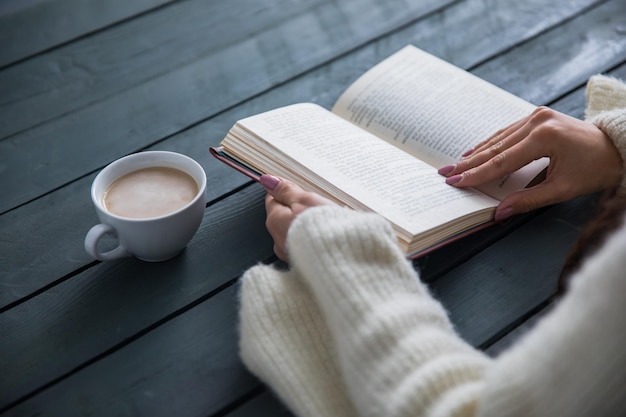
column 351, row 161
column 433, row 110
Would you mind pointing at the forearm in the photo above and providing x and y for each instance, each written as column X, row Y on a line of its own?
column 396, row 347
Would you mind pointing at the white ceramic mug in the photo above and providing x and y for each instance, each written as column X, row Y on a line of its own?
column 154, row 238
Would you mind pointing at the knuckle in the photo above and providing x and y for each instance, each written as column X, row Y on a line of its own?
column 496, row 148
column 499, row 135
column 468, row 175
column 272, row 219
column 309, row 201
column 285, row 190
column 524, row 205
column 548, row 129
column 280, row 252
column 269, row 222
column 546, row 125
column 462, row 165
column 499, row 161
column 543, row 113
column 282, row 192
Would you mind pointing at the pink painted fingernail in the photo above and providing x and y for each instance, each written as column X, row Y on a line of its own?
column 446, row 170
column 467, row 153
column 454, row 179
column 269, row 182
column 503, row 214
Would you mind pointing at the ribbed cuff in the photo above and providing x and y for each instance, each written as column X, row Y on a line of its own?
column 606, row 108
column 285, row 342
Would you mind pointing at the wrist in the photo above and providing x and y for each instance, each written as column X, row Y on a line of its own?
column 606, row 109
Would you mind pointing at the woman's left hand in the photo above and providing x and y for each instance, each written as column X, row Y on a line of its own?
column 284, row 201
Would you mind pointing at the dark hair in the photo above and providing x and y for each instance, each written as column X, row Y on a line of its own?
column 610, row 217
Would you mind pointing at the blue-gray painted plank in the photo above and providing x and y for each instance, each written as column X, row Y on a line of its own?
column 27, row 28
column 111, row 61
column 105, row 305
column 192, row 370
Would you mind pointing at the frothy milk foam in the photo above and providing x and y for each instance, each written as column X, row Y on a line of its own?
column 150, row 192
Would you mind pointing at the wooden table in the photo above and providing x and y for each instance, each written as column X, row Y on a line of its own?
column 84, row 82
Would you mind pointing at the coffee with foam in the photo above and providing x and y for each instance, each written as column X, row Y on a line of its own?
column 150, row 192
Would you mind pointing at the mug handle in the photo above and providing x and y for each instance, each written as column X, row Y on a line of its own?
column 91, row 244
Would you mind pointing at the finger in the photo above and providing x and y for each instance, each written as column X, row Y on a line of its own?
column 528, row 199
column 494, row 157
column 277, row 222
column 497, row 136
column 488, row 150
column 311, row 199
column 479, row 157
column 283, row 191
column 504, row 163
column 281, row 253
column 538, row 116
column 501, row 134
column 270, row 182
column 271, row 205
column 278, row 214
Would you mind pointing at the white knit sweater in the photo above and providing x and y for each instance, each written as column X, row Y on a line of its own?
column 350, row 330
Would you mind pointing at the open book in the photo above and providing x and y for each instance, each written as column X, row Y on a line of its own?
column 380, row 147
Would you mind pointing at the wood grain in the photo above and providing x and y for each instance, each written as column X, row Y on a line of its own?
column 30, row 27
column 196, row 352
column 111, row 302
column 132, row 338
column 564, row 57
column 139, row 116
column 109, row 62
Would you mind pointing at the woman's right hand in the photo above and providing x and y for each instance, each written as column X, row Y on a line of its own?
column 582, row 160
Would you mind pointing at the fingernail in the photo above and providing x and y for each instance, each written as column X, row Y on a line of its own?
column 446, row 170
column 503, row 214
column 269, row 182
column 467, row 153
column 454, row 179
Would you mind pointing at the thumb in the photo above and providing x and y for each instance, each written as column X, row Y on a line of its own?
column 283, row 191
column 525, row 200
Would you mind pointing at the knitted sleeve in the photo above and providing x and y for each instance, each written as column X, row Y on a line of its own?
column 399, row 356
column 395, row 346
column 606, row 108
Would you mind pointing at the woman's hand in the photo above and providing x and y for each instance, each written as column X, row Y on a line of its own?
column 582, row 160
column 284, row 201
